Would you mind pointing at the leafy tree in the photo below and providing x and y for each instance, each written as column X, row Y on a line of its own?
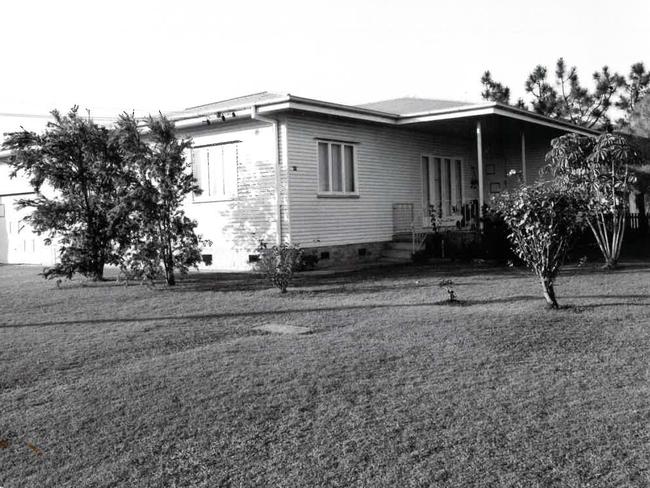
column 162, row 237
column 79, row 179
column 600, row 169
column 542, row 220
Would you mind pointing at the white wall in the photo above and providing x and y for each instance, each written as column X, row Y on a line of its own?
column 18, row 244
column 235, row 225
column 389, row 171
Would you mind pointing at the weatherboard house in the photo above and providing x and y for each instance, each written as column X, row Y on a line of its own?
column 344, row 182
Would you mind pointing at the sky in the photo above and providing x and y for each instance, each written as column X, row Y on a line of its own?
column 146, row 56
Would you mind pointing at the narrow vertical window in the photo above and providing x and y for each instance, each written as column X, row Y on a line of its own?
column 437, row 184
column 323, row 167
column 459, row 184
column 198, row 168
column 447, row 186
column 349, row 169
column 337, row 168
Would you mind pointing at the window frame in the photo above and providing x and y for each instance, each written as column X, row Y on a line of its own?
column 355, row 169
column 203, row 198
column 463, row 198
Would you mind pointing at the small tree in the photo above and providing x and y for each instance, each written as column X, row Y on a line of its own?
column 79, row 180
column 279, row 262
column 542, row 220
column 163, row 238
column 600, row 169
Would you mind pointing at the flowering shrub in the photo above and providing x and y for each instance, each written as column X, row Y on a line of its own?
column 279, row 262
column 542, row 220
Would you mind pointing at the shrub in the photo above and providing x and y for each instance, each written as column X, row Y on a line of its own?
column 543, row 220
column 448, row 285
column 307, row 262
column 279, row 262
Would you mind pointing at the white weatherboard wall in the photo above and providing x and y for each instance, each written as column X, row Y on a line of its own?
column 389, row 171
column 235, row 225
column 18, row 244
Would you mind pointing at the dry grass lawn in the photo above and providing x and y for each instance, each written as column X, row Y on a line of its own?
column 107, row 386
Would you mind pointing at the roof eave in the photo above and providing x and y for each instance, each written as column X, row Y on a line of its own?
column 291, row 102
column 523, row 114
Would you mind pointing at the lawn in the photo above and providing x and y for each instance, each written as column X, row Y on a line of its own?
column 103, row 385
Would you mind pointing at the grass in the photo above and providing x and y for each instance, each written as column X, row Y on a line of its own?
column 115, row 386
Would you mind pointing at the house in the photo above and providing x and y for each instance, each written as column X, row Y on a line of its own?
column 18, row 244
column 343, row 181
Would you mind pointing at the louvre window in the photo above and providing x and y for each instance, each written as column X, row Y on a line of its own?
column 215, row 170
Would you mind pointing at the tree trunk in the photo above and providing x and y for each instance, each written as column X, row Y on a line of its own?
column 169, row 273
column 610, row 245
column 99, row 273
column 549, row 294
column 97, row 269
column 610, row 263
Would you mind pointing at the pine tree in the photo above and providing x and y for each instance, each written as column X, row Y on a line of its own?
column 634, row 91
column 494, row 91
column 564, row 96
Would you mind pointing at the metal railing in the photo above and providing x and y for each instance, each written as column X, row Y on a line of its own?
column 637, row 222
column 404, row 225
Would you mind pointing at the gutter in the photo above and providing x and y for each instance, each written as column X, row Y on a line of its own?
column 291, row 102
column 276, row 161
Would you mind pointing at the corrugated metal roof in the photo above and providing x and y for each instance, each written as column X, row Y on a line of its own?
column 411, row 105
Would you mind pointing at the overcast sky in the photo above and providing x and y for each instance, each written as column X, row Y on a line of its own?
column 165, row 55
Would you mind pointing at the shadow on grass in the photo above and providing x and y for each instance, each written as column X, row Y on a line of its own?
column 340, row 280
column 440, row 303
column 256, row 313
column 225, row 315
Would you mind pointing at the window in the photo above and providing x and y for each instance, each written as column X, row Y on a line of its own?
column 215, row 170
column 336, row 168
column 443, row 186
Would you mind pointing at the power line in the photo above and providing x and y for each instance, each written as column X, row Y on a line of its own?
column 48, row 116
